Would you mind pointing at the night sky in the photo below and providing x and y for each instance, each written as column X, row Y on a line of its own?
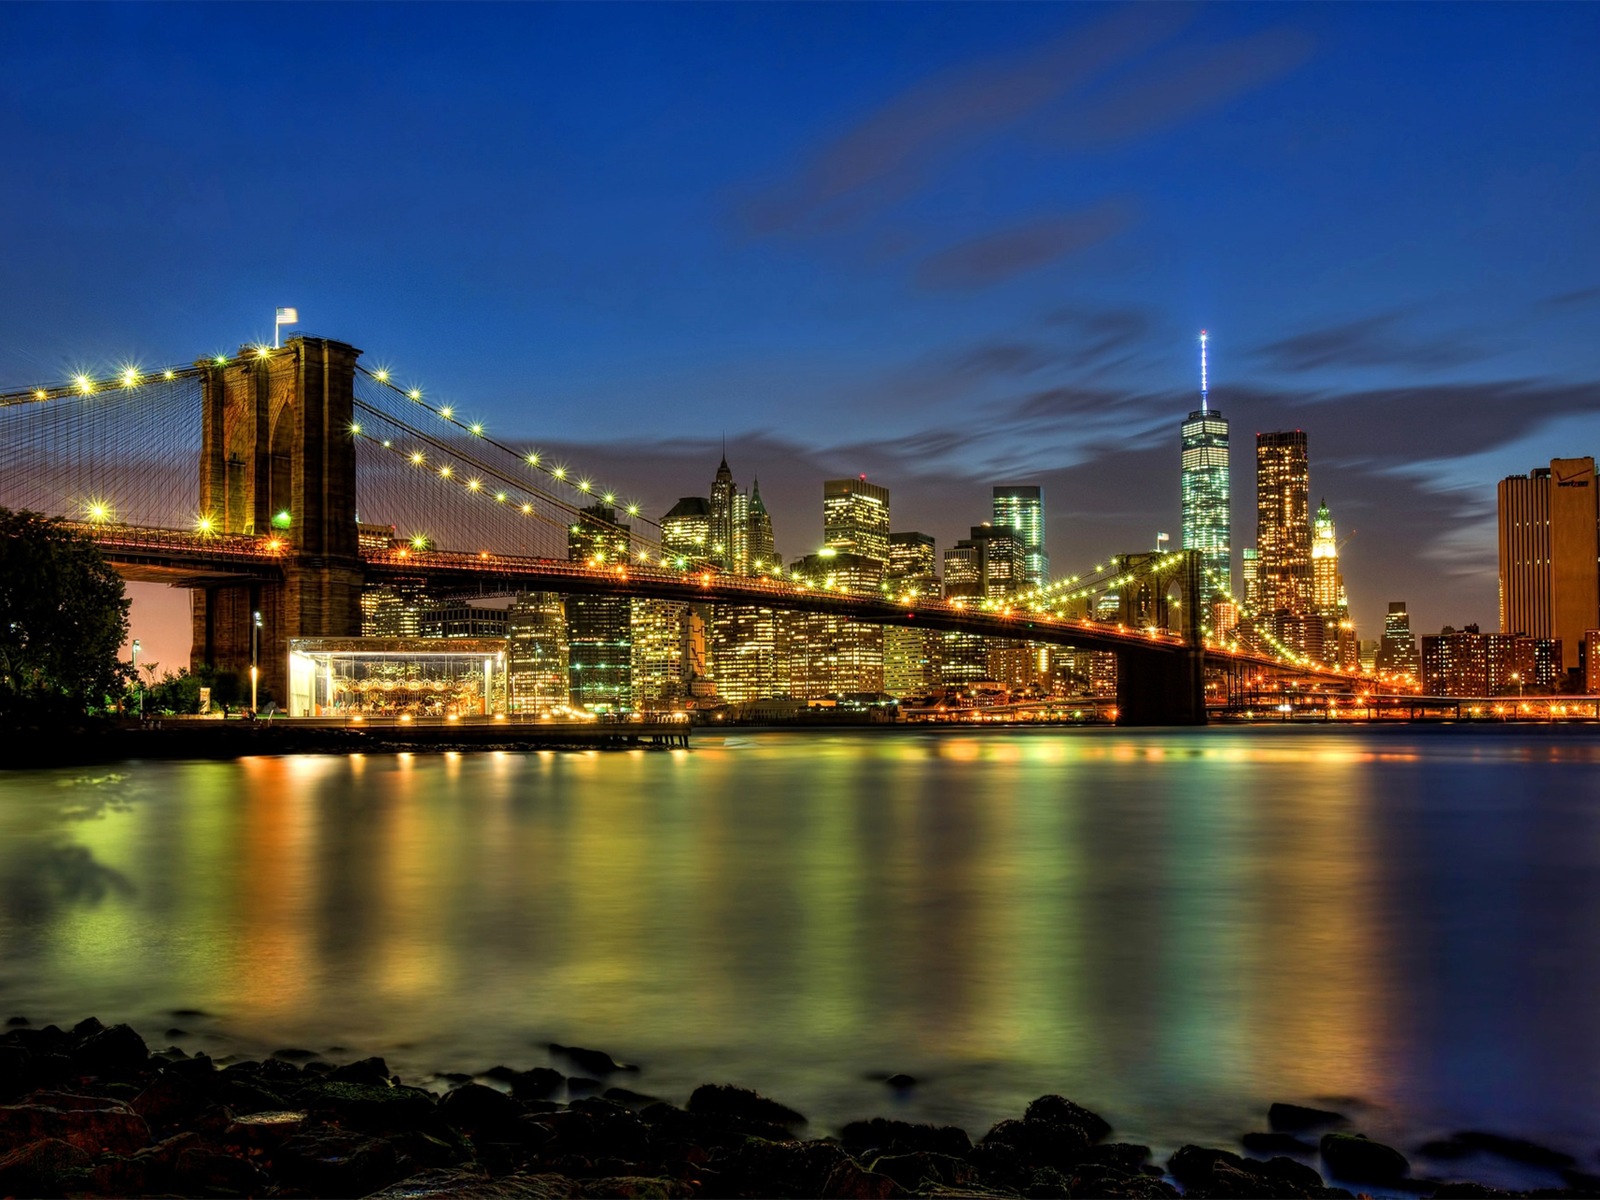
column 946, row 246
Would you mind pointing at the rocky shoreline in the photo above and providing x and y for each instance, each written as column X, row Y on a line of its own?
column 92, row 1111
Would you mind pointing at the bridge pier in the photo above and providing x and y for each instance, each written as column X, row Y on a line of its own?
column 1161, row 689
column 277, row 458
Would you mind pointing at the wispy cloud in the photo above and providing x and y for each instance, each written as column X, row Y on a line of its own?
column 1377, row 341
column 1574, row 299
column 997, row 256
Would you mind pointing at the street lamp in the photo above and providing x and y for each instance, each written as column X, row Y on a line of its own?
column 1517, row 677
column 255, row 636
column 137, row 685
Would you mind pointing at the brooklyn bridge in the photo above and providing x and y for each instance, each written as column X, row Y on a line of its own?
column 279, row 483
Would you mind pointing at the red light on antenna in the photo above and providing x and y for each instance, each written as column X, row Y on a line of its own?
column 863, row 479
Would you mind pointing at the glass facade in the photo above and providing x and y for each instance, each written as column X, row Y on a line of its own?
column 1022, row 508
column 1207, row 508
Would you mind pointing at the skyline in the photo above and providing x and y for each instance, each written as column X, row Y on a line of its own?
column 940, row 247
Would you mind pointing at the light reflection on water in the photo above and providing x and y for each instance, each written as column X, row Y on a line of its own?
column 1173, row 928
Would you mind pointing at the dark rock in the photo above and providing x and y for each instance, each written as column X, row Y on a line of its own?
column 366, row 1107
column 901, row 1081
column 538, row 1084
column 87, row 1028
column 1124, row 1156
column 109, row 1126
column 13, row 1071
column 468, row 1183
column 17, row 1022
column 1515, row 1149
column 1445, row 1148
column 1285, row 1170
column 1058, row 1110
column 1041, row 1143
column 116, row 1051
column 175, row 1032
column 189, row 1012
column 242, row 1096
column 333, row 1162
column 911, row 1171
column 596, row 1062
column 1275, row 1143
column 780, row 1169
column 45, row 1167
column 902, row 1137
column 1047, row 1183
column 367, row 1070
column 501, row 1074
column 592, row 1129
column 45, row 1070
column 847, row 1181
column 264, row 1130
column 317, row 1067
column 295, row 1054
column 721, row 1099
column 1090, row 1179
column 201, row 1169
column 481, row 1111
column 1296, row 1118
column 1352, row 1156
column 629, row 1097
column 578, row 1085
column 169, row 1100
column 278, row 1072
column 634, row 1187
column 1193, row 1166
column 199, row 1070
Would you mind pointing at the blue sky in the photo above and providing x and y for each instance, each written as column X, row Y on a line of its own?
column 947, row 245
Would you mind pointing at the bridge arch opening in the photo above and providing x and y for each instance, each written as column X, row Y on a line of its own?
column 280, row 467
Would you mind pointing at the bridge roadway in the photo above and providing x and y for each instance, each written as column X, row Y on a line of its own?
column 179, row 557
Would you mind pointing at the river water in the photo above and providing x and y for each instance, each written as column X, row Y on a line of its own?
column 1172, row 928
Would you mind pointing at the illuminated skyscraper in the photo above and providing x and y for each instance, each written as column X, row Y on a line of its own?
column 1398, row 649
column 686, row 529
column 855, row 518
column 721, row 548
column 1550, row 554
column 831, row 655
column 599, row 640
column 536, row 653
column 1340, row 647
column 1207, row 508
column 763, row 550
column 1250, row 578
column 1283, row 522
column 908, row 658
column 1021, row 506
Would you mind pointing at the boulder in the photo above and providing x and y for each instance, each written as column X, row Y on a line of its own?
column 538, row 1084
column 370, row 1108
column 1058, row 1110
column 45, row 1167
column 367, row 1070
column 204, row 1169
column 778, row 1169
column 116, row 1052
column 109, row 1126
column 912, row 1171
column 1296, row 1118
column 596, row 1062
column 1515, row 1149
column 336, row 1162
column 473, row 1183
column 633, row 1187
column 901, row 1137
column 1276, row 1143
column 481, row 1111
column 721, row 1099
column 1041, row 1143
column 1354, row 1157
column 900, row 1081
column 848, row 1181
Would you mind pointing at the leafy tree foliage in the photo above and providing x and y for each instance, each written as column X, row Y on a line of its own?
column 63, row 617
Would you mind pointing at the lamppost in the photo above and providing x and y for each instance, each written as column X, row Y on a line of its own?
column 1517, row 677
column 255, row 636
column 139, row 687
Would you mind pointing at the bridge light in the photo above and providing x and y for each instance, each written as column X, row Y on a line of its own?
column 221, row 360
column 263, row 351
column 381, row 375
column 584, row 485
column 130, row 377
column 609, row 498
column 39, row 393
column 99, row 511
column 500, row 497
column 415, row 393
column 474, row 485
column 274, row 544
column 633, row 510
column 559, row 472
column 533, row 460
column 447, row 412
column 387, row 443
column 477, row 428
column 355, row 428
column 419, row 541
column 281, row 518
column 169, row 373
column 444, row 472
column 527, row 508
column 416, row 458
column 205, row 524
column 83, row 383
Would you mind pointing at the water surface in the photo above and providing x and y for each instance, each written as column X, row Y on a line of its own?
column 1173, row 928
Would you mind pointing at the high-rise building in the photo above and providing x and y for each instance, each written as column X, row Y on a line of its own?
column 1207, row 506
column 599, row 628
column 721, row 545
column 1549, row 565
column 1397, row 652
column 962, row 659
column 855, row 518
column 1002, row 559
column 1021, row 507
column 908, row 651
column 686, row 529
column 536, row 653
column 831, row 655
column 1330, row 604
column 1250, row 578
column 748, row 658
column 1466, row 662
column 763, row 550
column 1283, row 522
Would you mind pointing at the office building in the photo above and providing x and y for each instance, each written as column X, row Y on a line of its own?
column 1550, row 554
column 1021, row 507
column 599, row 628
column 1329, row 602
column 830, row 655
column 686, row 530
column 1207, row 502
column 1250, row 578
column 1397, row 651
column 909, row 652
column 1283, row 522
column 475, row 618
column 855, row 518
column 536, row 653
column 763, row 550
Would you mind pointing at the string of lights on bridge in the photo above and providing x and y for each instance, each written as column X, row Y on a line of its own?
column 513, row 494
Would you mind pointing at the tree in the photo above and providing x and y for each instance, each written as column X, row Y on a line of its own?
column 63, row 617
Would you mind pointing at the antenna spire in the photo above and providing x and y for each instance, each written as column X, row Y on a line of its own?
column 1204, row 406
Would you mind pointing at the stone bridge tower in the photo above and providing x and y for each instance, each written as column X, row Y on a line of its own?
column 277, row 459
column 1163, row 688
